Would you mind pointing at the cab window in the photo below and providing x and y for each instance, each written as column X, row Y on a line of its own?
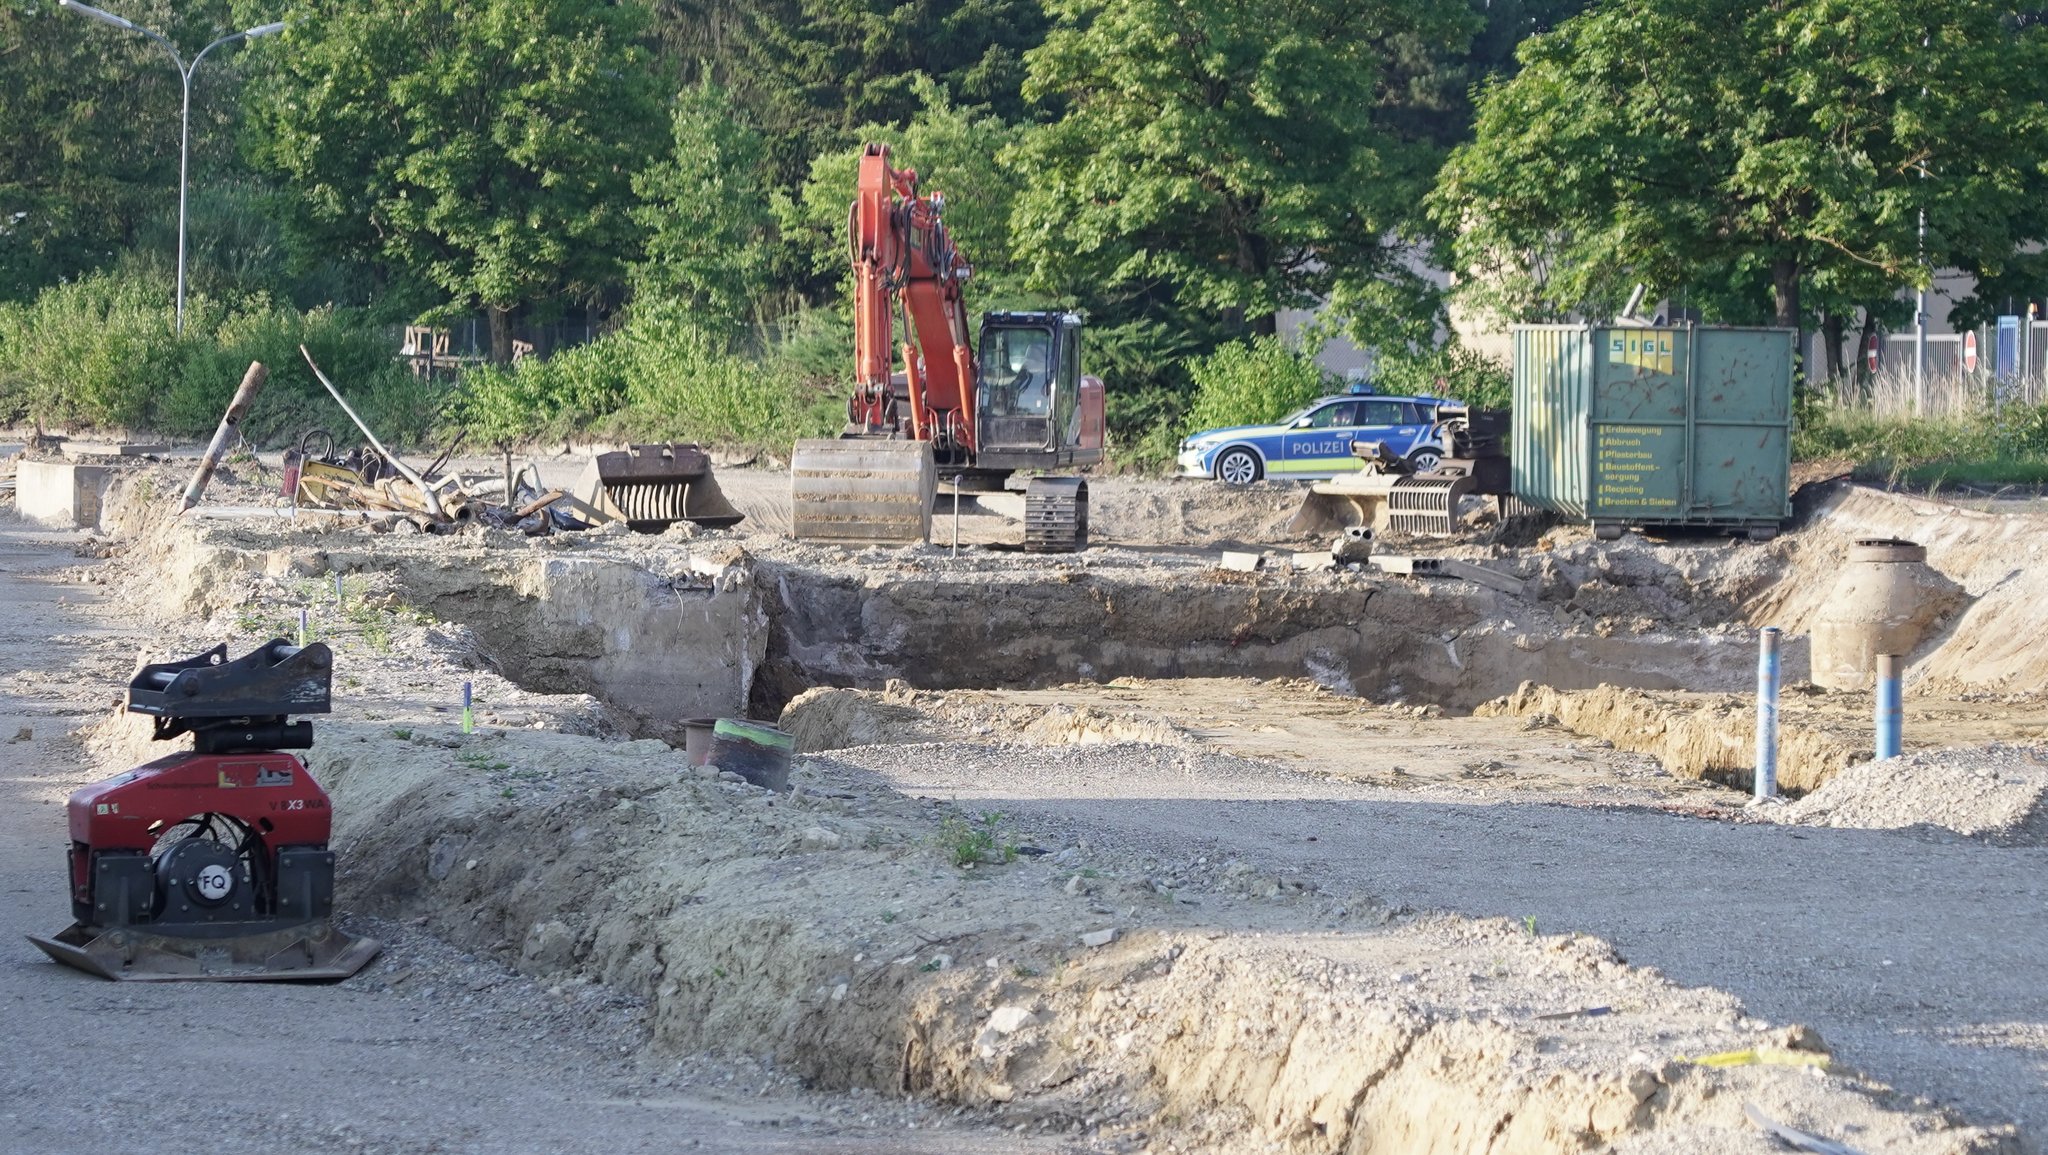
column 1016, row 371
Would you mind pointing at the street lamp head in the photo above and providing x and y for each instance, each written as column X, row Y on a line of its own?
column 253, row 33
column 97, row 14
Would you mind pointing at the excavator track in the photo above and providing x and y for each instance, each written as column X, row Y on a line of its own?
column 862, row 490
column 1056, row 515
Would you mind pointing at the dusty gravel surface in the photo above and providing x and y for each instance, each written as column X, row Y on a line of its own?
column 1920, row 957
column 1994, row 793
column 428, row 1050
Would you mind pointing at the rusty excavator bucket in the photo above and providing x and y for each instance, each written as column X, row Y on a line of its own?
column 862, row 490
column 651, row 487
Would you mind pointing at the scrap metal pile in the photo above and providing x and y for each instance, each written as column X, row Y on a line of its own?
column 646, row 487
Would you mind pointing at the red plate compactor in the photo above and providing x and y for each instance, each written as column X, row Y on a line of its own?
column 213, row 863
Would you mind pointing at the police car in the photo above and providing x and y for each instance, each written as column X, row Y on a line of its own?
column 1315, row 442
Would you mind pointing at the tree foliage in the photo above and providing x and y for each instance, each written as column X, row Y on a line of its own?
column 812, row 71
column 484, row 146
column 707, row 213
column 1730, row 143
column 89, row 134
column 954, row 149
column 1225, row 153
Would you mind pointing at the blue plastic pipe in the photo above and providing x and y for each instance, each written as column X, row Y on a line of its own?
column 1890, row 707
column 1767, row 713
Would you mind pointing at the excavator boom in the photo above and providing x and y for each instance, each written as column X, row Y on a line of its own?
column 930, row 414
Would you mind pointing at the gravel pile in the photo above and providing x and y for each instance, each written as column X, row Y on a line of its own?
column 1995, row 793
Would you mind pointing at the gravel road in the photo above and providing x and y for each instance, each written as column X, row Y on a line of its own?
column 425, row 1051
column 1923, row 960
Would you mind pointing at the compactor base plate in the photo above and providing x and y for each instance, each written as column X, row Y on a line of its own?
column 313, row 950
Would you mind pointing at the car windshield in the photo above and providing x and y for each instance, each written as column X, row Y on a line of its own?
column 1297, row 415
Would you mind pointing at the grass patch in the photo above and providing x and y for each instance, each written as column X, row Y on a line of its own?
column 2005, row 445
column 967, row 842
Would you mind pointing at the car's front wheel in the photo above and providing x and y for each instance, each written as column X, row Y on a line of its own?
column 1237, row 467
column 1425, row 460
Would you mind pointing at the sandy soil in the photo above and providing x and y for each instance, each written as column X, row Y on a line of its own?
column 434, row 1048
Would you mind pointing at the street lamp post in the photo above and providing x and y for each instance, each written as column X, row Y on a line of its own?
column 185, row 72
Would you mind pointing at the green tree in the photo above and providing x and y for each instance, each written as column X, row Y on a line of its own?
column 89, row 134
column 954, row 149
column 1224, row 157
column 1751, row 148
column 485, row 147
column 706, row 210
column 812, row 71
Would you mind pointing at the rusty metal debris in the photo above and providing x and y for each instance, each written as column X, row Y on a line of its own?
column 646, row 488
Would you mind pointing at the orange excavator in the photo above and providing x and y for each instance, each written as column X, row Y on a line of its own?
column 945, row 415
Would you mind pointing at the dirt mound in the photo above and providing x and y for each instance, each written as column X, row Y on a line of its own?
column 2000, row 560
column 1995, row 793
column 1710, row 736
column 832, row 719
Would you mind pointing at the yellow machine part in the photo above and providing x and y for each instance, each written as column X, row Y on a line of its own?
column 862, row 490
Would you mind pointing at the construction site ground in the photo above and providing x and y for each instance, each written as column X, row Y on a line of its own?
column 1277, row 861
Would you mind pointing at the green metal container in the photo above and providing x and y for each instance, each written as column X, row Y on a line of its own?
column 1664, row 426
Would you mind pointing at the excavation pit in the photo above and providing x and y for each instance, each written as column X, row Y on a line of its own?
column 751, row 922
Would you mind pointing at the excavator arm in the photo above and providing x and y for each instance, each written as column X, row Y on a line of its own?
column 905, row 266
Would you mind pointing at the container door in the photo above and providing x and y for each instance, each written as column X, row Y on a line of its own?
column 1547, row 456
column 1639, row 424
column 1742, row 408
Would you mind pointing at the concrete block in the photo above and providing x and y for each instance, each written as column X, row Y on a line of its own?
column 60, row 494
column 1396, row 563
column 1242, row 562
column 77, row 449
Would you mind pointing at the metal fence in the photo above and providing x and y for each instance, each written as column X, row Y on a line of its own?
column 2012, row 369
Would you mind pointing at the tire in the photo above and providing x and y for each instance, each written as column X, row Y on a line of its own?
column 1425, row 460
column 1238, row 466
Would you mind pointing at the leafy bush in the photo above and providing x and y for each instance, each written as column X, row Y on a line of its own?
column 1144, row 427
column 93, row 353
column 659, row 377
column 104, row 352
column 1452, row 371
column 1253, row 382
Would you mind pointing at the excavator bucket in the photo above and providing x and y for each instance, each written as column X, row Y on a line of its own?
column 1385, row 502
column 862, row 490
column 1337, row 505
column 651, row 487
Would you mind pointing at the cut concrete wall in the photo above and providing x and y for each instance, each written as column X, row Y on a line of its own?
column 60, row 494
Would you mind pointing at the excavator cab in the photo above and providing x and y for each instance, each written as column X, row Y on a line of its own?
column 1035, row 410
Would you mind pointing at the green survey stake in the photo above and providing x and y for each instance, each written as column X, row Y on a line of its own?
column 468, row 719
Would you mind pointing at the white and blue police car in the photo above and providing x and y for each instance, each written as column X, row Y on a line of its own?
column 1314, row 442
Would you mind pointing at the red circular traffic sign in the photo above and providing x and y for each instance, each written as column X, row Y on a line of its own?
column 1970, row 351
column 1870, row 353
